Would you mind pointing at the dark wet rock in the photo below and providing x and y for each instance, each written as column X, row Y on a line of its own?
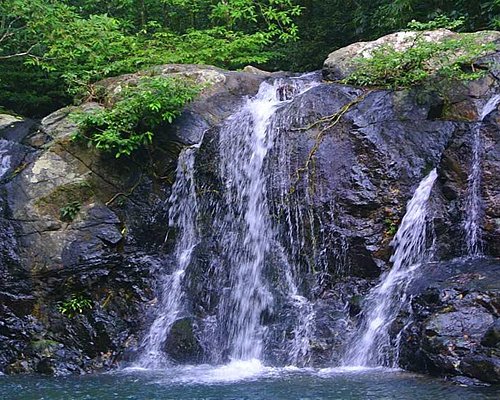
column 455, row 309
column 466, row 381
column 362, row 172
column 341, row 187
column 481, row 367
column 111, row 246
column 182, row 345
column 492, row 336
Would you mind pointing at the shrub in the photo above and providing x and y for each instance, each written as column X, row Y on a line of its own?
column 451, row 59
column 132, row 120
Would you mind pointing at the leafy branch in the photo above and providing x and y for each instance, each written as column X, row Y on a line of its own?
column 132, row 121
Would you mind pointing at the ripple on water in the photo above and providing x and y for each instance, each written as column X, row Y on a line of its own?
column 248, row 380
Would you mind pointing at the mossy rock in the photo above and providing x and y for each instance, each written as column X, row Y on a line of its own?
column 75, row 192
column 45, row 347
column 182, row 345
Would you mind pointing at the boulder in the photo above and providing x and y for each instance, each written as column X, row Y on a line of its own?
column 455, row 318
column 7, row 120
column 75, row 222
column 182, row 345
column 342, row 62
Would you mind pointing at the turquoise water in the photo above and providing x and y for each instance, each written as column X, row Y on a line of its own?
column 243, row 382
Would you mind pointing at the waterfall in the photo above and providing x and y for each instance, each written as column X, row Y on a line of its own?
column 183, row 208
column 371, row 345
column 244, row 143
column 4, row 157
column 245, row 223
column 474, row 204
column 243, row 233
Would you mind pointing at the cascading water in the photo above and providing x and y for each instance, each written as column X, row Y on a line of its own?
column 244, row 143
column 472, row 224
column 183, row 208
column 245, row 222
column 4, row 157
column 245, row 233
column 371, row 345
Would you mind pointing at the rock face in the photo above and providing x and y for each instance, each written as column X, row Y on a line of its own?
column 455, row 329
column 78, row 227
column 338, row 190
column 341, row 62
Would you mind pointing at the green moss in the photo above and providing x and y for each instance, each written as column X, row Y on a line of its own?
column 62, row 196
column 44, row 345
column 391, row 227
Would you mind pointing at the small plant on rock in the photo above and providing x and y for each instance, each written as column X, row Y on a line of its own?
column 391, row 227
column 423, row 62
column 70, row 210
column 76, row 304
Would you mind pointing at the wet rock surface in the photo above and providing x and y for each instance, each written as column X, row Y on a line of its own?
column 343, row 165
column 455, row 309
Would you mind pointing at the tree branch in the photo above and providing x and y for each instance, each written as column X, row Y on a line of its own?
column 7, row 32
column 22, row 54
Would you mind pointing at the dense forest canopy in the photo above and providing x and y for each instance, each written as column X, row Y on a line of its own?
column 51, row 50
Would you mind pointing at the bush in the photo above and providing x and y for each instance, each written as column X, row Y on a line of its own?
column 131, row 122
column 451, row 59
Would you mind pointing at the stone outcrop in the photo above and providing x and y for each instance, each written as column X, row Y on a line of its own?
column 455, row 323
column 346, row 185
column 109, row 248
column 342, row 62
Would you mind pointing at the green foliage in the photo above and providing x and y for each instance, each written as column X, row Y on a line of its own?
column 29, row 90
column 76, row 304
column 78, row 42
column 70, row 210
column 391, row 227
column 86, row 50
column 130, row 123
column 441, row 21
column 52, row 50
column 423, row 61
column 326, row 25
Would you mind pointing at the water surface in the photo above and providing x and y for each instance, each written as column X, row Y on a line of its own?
column 247, row 381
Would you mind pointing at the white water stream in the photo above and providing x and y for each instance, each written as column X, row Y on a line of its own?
column 474, row 203
column 244, row 227
column 5, row 158
column 183, row 206
column 244, row 143
column 371, row 345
